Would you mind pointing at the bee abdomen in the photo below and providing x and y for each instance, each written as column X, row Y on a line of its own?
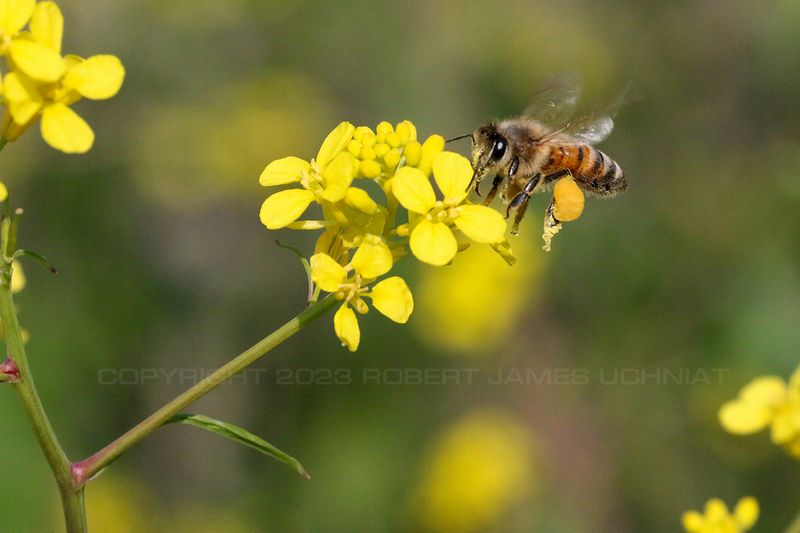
column 599, row 173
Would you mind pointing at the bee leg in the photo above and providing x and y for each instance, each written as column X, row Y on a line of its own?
column 550, row 178
column 492, row 193
column 520, row 202
column 476, row 180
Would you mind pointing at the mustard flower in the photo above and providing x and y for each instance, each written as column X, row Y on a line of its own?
column 382, row 151
column 431, row 221
column 477, row 469
column 30, row 95
column 350, row 283
column 717, row 518
column 32, row 53
column 767, row 401
column 325, row 180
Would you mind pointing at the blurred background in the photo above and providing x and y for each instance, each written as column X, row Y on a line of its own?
column 576, row 391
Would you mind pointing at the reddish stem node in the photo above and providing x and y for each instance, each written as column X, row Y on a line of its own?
column 9, row 368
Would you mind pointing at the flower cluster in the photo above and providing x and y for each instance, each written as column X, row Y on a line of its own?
column 717, row 518
column 767, row 401
column 359, row 180
column 43, row 84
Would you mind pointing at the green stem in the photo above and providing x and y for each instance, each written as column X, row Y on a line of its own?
column 71, row 493
column 84, row 470
column 3, row 143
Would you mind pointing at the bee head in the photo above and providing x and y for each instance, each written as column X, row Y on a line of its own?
column 488, row 149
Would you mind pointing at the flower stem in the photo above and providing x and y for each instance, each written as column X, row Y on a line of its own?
column 83, row 471
column 71, row 494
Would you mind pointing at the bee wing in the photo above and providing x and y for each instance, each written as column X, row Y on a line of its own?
column 555, row 102
column 594, row 127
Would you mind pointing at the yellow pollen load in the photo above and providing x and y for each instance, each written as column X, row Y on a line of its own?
column 569, row 200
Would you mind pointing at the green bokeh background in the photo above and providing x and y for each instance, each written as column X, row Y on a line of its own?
column 164, row 264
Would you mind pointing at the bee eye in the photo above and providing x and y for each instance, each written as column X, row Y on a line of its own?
column 498, row 150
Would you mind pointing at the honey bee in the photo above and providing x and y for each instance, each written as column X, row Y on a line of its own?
column 525, row 155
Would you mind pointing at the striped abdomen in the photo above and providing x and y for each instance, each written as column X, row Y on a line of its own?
column 592, row 169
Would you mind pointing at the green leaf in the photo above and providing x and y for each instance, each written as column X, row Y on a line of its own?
column 242, row 436
column 306, row 267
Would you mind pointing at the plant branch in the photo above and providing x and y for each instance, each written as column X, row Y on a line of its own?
column 83, row 471
column 71, row 494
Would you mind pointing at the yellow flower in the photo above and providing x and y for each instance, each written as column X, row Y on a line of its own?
column 767, row 401
column 453, row 303
column 478, row 468
column 31, row 94
column 325, row 180
column 350, row 283
column 431, row 221
column 32, row 54
column 717, row 518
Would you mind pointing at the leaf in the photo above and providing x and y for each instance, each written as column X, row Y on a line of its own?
column 242, row 436
column 306, row 267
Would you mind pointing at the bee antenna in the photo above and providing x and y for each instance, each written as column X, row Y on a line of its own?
column 459, row 137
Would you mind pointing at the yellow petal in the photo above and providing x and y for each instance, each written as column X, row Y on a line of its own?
column 743, row 418
column 432, row 147
column 413, row 190
column 433, row 243
column 47, row 25
column 285, row 207
column 97, row 78
column 481, row 223
column 37, row 61
column 3, row 192
column 785, row 425
column 693, row 522
column 326, row 272
column 14, row 14
column 23, row 97
column 335, row 142
column 373, row 258
column 568, row 200
column 793, row 448
column 452, row 173
column 282, row 171
column 746, row 512
column 794, row 380
column 345, row 324
column 359, row 199
column 393, row 299
column 64, row 130
column 765, row 391
column 338, row 176
column 716, row 510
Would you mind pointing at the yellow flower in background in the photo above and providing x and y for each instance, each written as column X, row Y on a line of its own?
column 118, row 504
column 472, row 306
column 478, row 468
column 767, row 401
column 431, row 221
column 717, row 518
column 325, row 180
column 390, row 296
column 48, row 90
